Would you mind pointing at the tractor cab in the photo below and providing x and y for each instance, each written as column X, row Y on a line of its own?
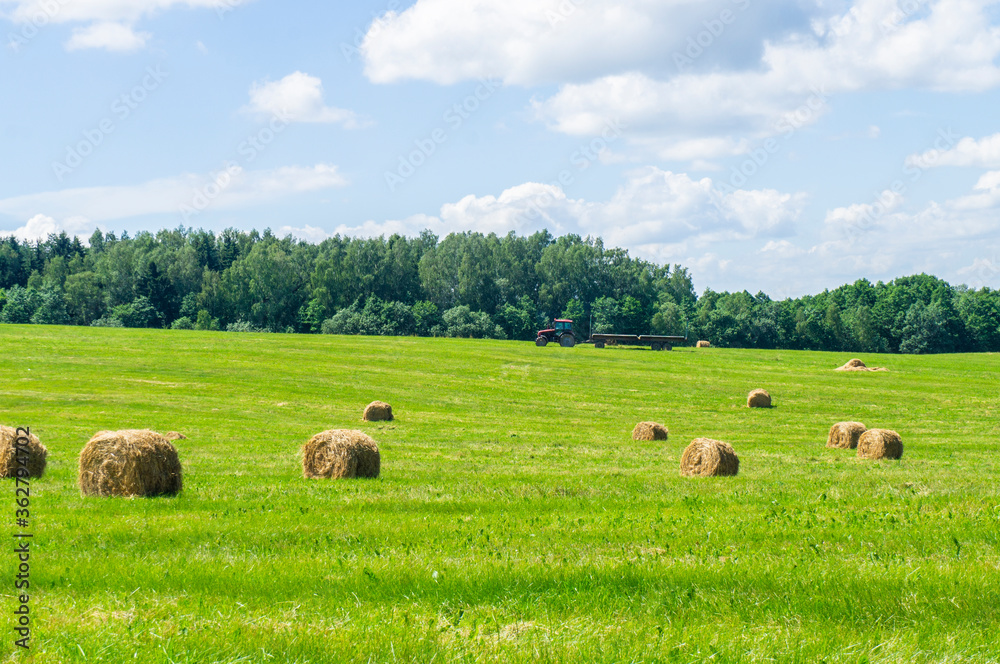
column 561, row 331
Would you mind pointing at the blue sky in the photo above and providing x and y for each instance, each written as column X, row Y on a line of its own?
column 784, row 146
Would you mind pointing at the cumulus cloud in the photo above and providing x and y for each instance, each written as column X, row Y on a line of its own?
column 654, row 212
column 298, row 97
column 619, row 59
column 983, row 153
column 110, row 22
column 41, row 226
column 108, row 36
column 232, row 188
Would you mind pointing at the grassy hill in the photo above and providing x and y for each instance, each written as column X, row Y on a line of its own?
column 515, row 519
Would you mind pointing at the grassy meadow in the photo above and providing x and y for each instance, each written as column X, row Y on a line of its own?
column 515, row 519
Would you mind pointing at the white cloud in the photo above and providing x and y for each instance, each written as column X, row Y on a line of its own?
column 109, row 36
column 298, row 97
column 983, row 153
column 615, row 59
column 231, row 189
column 41, row 226
column 111, row 22
column 656, row 213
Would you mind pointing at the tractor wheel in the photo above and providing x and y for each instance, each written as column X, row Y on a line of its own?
column 567, row 341
column 598, row 344
column 655, row 346
column 541, row 341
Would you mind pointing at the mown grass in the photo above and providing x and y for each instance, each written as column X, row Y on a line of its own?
column 515, row 519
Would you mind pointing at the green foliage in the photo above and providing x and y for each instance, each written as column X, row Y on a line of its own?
column 244, row 326
column 137, row 313
column 607, row 316
column 182, row 323
column 107, row 321
column 21, row 305
column 519, row 321
column 519, row 283
column 426, row 316
column 669, row 319
column 462, row 322
column 204, row 321
column 51, row 309
column 376, row 317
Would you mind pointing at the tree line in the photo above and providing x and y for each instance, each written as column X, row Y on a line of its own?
column 465, row 285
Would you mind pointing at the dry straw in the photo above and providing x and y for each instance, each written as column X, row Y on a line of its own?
column 131, row 462
column 377, row 411
column 705, row 457
column 880, row 444
column 174, row 435
column 703, row 344
column 37, row 454
column 845, row 435
column 759, row 399
column 858, row 365
column 649, row 431
column 340, row 453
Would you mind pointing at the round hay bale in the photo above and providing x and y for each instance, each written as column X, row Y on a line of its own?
column 845, row 435
column 759, row 399
column 649, row 431
column 131, row 462
column 705, row 457
column 174, row 435
column 340, row 453
column 37, row 454
column 703, row 344
column 377, row 411
column 880, row 444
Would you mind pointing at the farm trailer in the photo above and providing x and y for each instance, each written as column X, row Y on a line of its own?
column 654, row 341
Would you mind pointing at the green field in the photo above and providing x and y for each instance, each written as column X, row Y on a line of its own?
column 515, row 519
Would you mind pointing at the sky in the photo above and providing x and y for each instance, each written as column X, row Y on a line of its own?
column 782, row 146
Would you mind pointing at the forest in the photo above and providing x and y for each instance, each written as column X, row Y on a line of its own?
column 465, row 285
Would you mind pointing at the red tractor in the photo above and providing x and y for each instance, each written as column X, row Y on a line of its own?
column 561, row 331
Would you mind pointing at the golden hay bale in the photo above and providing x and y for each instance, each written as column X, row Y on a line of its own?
column 37, row 454
column 759, row 399
column 845, row 435
column 858, row 365
column 131, row 462
column 649, row 431
column 703, row 344
column 705, row 457
column 880, row 444
column 340, row 453
column 174, row 435
column 377, row 411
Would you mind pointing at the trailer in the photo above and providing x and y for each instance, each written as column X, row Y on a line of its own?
column 654, row 341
